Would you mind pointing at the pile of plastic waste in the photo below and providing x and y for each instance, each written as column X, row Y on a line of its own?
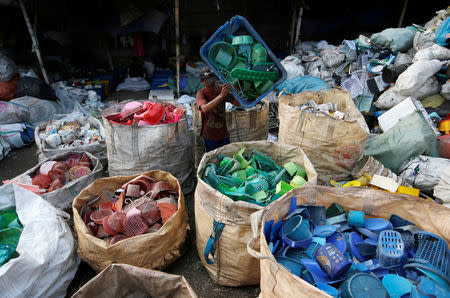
column 140, row 206
column 10, row 231
column 347, row 253
column 53, row 175
column 324, row 109
column 65, row 134
column 255, row 178
column 147, row 113
column 399, row 80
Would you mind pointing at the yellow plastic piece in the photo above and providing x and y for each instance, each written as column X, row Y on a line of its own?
column 408, row 190
column 352, row 183
column 444, row 126
column 335, row 184
column 361, row 181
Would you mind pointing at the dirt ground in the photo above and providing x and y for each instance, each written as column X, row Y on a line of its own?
column 189, row 265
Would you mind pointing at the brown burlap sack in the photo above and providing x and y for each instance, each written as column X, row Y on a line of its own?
column 233, row 265
column 244, row 126
column 152, row 250
column 121, row 280
column 133, row 149
column 276, row 281
column 332, row 145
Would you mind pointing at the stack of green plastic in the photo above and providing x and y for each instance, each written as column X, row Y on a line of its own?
column 244, row 64
column 255, row 178
column 10, row 230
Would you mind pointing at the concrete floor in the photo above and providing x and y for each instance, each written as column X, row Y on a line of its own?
column 189, row 265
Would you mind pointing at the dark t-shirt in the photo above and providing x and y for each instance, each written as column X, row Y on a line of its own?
column 214, row 122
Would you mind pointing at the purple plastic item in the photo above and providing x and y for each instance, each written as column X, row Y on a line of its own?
column 338, row 240
column 332, row 260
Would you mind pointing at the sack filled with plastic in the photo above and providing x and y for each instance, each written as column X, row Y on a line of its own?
column 47, row 260
column 293, row 66
column 394, row 39
column 424, row 172
column 434, row 52
column 11, row 112
column 392, row 97
column 8, row 69
column 17, row 135
column 416, row 75
column 410, row 137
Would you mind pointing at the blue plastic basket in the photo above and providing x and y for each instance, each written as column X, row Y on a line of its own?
column 432, row 254
column 229, row 28
column 391, row 249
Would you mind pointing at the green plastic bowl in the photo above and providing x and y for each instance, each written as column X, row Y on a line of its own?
column 222, row 55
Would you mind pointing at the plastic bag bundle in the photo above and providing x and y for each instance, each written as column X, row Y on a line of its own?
column 424, row 172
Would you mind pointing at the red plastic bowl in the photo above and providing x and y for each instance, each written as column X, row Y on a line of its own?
column 113, row 224
column 99, row 215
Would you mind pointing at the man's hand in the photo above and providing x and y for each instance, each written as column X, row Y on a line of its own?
column 226, row 88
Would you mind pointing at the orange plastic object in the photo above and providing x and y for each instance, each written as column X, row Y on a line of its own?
column 119, row 203
column 167, row 207
column 444, row 126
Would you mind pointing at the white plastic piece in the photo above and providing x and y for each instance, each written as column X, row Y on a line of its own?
column 53, row 140
column 384, row 183
column 391, row 117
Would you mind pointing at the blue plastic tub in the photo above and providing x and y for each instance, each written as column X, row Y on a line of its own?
column 229, row 28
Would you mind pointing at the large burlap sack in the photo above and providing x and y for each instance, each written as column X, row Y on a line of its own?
column 276, row 281
column 333, row 146
column 154, row 250
column 243, row 126
column 165, row 147
column 98, row 148
column 121, row 280
column 233, row 265
column 62, row 198
column 47, row 260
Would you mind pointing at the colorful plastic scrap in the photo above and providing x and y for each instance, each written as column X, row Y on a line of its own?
column 255, row 178
column 140, row 206
column 364, row 257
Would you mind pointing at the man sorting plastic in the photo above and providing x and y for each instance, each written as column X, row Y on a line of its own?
column 211, row 102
